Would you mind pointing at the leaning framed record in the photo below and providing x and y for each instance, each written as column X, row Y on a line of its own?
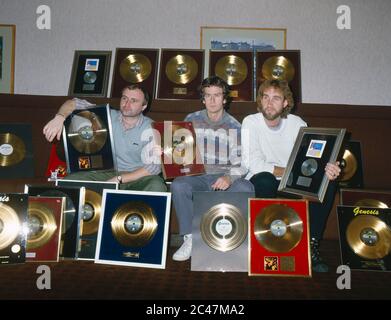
column 180, row 156
column 134, row 66
column 180, row 73
column 71, row 221
column 133, row 228
column 279, row 238
column 90, row 73
column 13, row 221
column 237, row 69
column 90, row 214
column 44, row 228
column 313, row 149
column 365, row 237
column 365, row 198
column 351, row 166
column 280, row 65
column 88, row 140
column 220, row 231
column 16, row 151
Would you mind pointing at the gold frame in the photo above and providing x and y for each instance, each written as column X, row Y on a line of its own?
column 275, row 36
column 7, row 58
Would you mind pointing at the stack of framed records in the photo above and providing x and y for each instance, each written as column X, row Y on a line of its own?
column 180, row 73
column 134, row 66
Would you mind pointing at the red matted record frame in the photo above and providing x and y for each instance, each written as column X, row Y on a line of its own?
column 142, row 70
column 190, row 66
column 237, row 69
column 45, row 244
column 57, row 167
column 295, row 262
column 178, row 140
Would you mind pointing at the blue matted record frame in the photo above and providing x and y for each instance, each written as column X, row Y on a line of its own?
column 152, row 254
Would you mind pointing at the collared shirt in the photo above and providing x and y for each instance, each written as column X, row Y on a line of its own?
column 133, row 146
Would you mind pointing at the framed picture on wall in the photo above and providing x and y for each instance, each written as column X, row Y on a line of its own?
column 90, row 74
column 231, row 38
column 7, row 58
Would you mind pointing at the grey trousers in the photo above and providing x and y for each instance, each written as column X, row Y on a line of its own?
column 182, row 195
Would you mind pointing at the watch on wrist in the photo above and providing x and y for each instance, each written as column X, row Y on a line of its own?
column 119, row 178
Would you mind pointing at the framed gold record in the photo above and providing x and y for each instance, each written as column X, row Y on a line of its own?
column 280, row 65
column 134, row 66
column 237, row 69
column 180, row 73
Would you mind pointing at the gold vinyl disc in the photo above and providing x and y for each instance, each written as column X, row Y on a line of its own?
column 232, row 69
column 70, row 212
column 373, row 203
column 12, row 149
column 134, row 224
column 91, row 212
column 87, row 133
column 10, row 225
column 183, row 147
column 135, row 68
column 181, row 69
column 41, row 225
column 278, row 68
column 349, row 166
column 223, row 227
column 278, row 228
column 369, row 237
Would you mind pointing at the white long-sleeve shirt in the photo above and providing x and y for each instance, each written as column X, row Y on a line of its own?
column 264, row 148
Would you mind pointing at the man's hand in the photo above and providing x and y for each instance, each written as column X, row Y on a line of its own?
column 54, row 128
column 222, row 183
column 278, row 172
column 332, row 170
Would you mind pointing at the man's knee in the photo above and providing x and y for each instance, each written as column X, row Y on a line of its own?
column 180, row 185
column 156, row 183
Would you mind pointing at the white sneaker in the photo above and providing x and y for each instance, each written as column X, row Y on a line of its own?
column 184, row 252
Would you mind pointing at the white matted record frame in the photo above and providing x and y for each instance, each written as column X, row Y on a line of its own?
column 133, row 228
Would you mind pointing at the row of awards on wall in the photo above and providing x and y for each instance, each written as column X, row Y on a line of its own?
column 231, row 231
column 177, row 73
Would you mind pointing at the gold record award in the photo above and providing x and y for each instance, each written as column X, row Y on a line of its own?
column 349, row 166
column 183, row 147
column 181, row 69
column 278, row 228
column 278, row 68
column 223, row 227
column 10, row 225
column 371, row 203
column 369, row 237
column 12, row 149
column 87, row 133
column 91, row 212
column 134, row 224
column 135, row 68
column 233, row 69
column 41, row 225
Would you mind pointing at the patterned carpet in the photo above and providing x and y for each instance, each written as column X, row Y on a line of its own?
column 85, row 280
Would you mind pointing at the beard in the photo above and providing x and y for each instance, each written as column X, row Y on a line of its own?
column 271, row 116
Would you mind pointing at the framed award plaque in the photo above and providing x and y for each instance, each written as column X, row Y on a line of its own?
column 134, row 66
column 279, row 238
column 133, row 228
column 72, row 223
column 313, row 149
column 237, row 69
column 280, row 65
column 90, row 213
column 88, row 140
column 44, row 228
column 220, row 231
column 13, row 219
column 90, row 74
column 180, row 156
column 180, row 73
column 57, row 166
column 16, row 151
column 365, row 237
